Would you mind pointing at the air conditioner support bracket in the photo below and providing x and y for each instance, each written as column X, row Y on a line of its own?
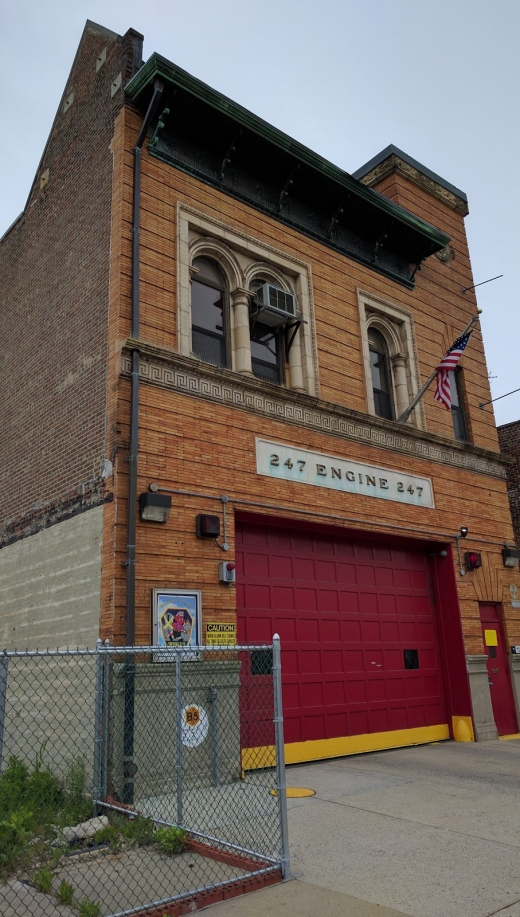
column 294, row 328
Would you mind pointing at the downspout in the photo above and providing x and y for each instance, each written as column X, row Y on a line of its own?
column 134, row 394
column 129, row 768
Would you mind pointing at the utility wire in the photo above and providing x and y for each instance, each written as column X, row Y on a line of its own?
column 483, row 404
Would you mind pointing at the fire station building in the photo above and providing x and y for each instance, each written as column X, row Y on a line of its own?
column 212, row 334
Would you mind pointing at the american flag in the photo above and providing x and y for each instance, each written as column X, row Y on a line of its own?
column 447, row 364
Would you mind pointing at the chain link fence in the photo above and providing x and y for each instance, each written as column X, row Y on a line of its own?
column 138, row 779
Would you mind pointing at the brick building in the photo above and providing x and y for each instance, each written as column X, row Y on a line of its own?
column 509, row 441
column 198, row 309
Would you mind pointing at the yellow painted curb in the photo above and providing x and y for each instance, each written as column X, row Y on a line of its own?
column 295, row 792
column 297, row 752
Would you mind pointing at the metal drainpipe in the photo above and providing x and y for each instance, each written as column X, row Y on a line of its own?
column 128, row 726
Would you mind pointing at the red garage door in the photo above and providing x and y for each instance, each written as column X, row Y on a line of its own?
column 360, row 659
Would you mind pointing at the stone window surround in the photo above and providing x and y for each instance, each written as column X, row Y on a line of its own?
column 243, row 257
column 397, row 327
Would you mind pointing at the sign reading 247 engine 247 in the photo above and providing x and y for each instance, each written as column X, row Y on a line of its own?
column 290, row 463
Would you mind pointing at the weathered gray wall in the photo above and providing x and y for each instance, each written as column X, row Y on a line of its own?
column 50, row 586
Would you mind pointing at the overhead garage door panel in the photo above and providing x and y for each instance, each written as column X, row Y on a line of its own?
column 345, row 612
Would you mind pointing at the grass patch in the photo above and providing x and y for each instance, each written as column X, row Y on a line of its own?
column 31, row 801
column 171, row 840
column 42, row 879
column 65, row 893
column 89, row 908
column 34, row 803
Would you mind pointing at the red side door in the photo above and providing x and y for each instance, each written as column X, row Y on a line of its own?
column 498, row 670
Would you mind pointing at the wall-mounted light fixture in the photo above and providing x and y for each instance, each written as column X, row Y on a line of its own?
column 463, row 533
column 472, row 560
column 155, row 507
column 510, row 556
column 207, row 526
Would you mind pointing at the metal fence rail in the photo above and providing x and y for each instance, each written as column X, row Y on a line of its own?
column 135, row 778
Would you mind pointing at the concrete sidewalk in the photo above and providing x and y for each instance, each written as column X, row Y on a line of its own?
column 431, row 831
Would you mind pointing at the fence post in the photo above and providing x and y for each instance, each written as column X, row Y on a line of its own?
column 178, row 733
column 280, row 758
column 106, row 720
column 129, row 768
column 4, row 660
column 212, row 699
column 98, row 730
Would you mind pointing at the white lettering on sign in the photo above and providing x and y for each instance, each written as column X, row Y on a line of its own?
column 290, row 463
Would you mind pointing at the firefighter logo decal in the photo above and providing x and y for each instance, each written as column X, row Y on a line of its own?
column 176, row 625
column 195, row 725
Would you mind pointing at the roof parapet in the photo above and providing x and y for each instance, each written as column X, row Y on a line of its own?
column 392, row 159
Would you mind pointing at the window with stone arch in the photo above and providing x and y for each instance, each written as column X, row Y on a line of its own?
column 210, row 312
column 270, row 346
column 208, row 323
column 381, row 372
column 219, row 269
column 390, row 359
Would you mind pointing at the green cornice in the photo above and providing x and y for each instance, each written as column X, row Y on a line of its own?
column 157, row 67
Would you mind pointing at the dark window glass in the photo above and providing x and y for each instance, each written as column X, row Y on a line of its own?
column 261, row 662
column 380, row 369
column 209, row 314
column 411, row 659
column 457, row 411
column 267, row 345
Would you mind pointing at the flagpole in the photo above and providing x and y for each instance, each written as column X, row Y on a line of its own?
column 405, row 415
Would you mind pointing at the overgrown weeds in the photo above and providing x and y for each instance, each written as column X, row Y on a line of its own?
column 31, row 801
column 35, row 805
column 171, row 840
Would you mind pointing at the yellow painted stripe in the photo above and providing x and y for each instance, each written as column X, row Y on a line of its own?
column 515, row 735
column 296, row 752
column 295, row 792
column 255, row 758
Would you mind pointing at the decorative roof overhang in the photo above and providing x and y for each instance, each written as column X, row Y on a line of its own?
column 224, row 145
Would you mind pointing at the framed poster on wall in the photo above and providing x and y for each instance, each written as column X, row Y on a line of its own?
column 176, row 621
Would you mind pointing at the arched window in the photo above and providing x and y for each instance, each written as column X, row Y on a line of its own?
column 457, row 406
column 209, row 313
column 267, row 344
column 381, row 374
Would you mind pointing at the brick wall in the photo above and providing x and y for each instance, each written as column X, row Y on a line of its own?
column 54, row 277
column 509, row 439
column 193, row 444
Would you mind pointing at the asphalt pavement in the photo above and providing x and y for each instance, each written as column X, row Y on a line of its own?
column 430, row 831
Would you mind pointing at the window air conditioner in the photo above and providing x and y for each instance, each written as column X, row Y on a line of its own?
column 273, row 306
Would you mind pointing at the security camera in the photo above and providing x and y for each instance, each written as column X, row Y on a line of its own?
column 463, row 531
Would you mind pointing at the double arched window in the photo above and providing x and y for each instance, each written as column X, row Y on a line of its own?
column 209, row 313
column 220, row 320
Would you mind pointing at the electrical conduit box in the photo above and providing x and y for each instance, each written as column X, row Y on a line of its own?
column 227, row 572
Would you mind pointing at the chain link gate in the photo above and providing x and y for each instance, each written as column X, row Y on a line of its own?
column 138, row 779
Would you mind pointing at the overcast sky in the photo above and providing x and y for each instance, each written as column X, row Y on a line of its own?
column 345, row 77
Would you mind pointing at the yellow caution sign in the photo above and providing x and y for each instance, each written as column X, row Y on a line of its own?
column 218, row 634
column 490, row 638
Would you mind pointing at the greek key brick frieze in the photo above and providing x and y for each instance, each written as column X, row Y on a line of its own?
column 320, row 418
